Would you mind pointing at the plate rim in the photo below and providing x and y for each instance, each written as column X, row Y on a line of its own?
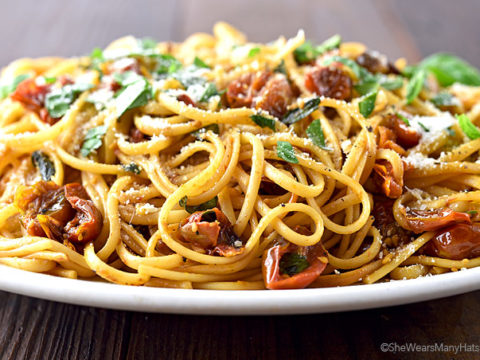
column 243, row 302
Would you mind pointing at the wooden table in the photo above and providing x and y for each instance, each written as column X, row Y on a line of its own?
column 37, row 329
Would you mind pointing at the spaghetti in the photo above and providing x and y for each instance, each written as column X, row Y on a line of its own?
column 217, row 163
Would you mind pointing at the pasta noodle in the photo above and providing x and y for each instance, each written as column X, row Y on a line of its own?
column 218, row 163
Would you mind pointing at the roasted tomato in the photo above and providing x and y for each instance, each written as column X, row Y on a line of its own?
column 391, row 186
column 59, row 213
column 387, row 140
column 263, row 90
column 430, row 220
column 32, row 96
column 456, row 242
column 291, row 267
column 186, row 99
column 406, row 136
column 376, row 63
column 136, row 135
column 330, row 82
column 211, row 231
column 385, row 222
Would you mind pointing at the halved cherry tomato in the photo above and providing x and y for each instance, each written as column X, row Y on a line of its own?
column 456, row 242
column 430, row 220
column 274, row 278
column 391, row 186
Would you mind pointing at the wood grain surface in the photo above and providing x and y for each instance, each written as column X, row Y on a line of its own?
column 38, row 329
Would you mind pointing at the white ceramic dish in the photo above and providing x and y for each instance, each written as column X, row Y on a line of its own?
column 263, row 302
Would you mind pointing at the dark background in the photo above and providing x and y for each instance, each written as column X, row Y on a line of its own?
column 37, row 329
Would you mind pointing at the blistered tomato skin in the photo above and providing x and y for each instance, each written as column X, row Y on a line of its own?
column 329, row 82
column 456, row 242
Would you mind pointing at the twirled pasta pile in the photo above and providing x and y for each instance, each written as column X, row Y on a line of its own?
column 217, row 163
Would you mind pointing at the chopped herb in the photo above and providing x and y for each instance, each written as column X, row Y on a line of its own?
column 467, row 127
column 58, row 101
column 293, row 264
column 212, row 127
column 263, row 121
column 281, row 68
column 306, row 52
column 450, row 131
column 449, row 69
column 415, row 85
column 360, row 72
column 93, row 140
column 134, row 94
column 390, row 83
column 285, row 151
column 253, row 52
column 315, row 133
column 472, row 212
column 126, row 78
column 167, row 64
column 132, row 167
column 403, row 118
column 298, row 114
column 6, row 89
column 189, row 76
column 49, row 80
column 366, row 87
column 443, row 99
column 426, row 129
column 210, row 90
column 96, row 58
column 44, row 165
column 367, row 105
column 147, row 43
column 210, row 204
column 200, row 63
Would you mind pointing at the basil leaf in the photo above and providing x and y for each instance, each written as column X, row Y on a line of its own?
column 315, row 133
column 210, row 90
column 467, row 127
column 390, row 83
column 263, row 121
column 293, row 264
column 212, row 127
column 200, row 63
column 443, row 99
column 58, row 101
column 49, row 80
column 126, row 78
column 366, row 87
column 7, row 89
column 426, row 129
column 44, row 165
column 403, row 118
column 360, row 72
column 210, row 204
column 189, row 76
column 415, row 85
column 147, row 43
column 253, row 52
column 367, row 105
column 132, row 167
column 96, row 58
column 329, row 44
column 472, row 212
column 305, row 53
column 167, row 64
column 133, row 95
column 93, row 139
column 285, row 151
column 298, row 114
column 449, row 69
column 281, row 68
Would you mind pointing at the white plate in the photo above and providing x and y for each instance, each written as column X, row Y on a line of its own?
column 219, row 302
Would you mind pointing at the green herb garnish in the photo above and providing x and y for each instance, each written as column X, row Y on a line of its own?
column 306, row 52
column 285, row 151
column 44, row 164
column 58, row 101
column 212, row 127
column 315, row 133
column 281, row 68
column 210, row 204
column 134, row 94
column 7, row 89
column 403, row 118
column 467, row 127
column 167, row 64
column 93, row 140
column 210, row 90
column 415, row 85
column 426, row 129
column 443, row 99
column 200, row 63
column 132, row 167
column 263, row 121
column 253, row 52
column 298, row 114
column 367, row 105
column 293, row 264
